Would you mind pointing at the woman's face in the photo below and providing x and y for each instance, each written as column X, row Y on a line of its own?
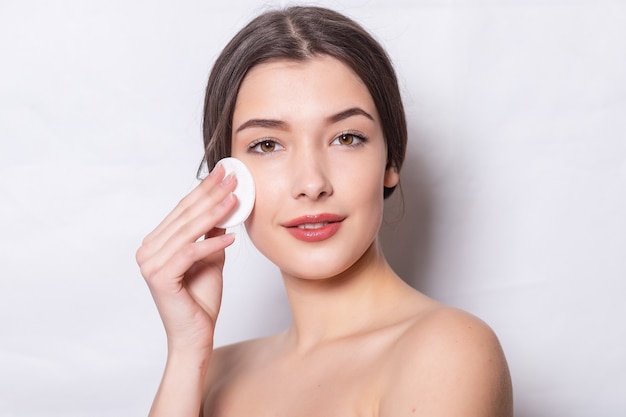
column 311, row 136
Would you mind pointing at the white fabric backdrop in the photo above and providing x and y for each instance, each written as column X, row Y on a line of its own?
column 514, row 188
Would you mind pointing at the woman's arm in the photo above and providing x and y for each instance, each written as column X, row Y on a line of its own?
column 181, row 388
column 184, row 274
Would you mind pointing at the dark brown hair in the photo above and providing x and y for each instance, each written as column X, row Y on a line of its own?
column 299, row 33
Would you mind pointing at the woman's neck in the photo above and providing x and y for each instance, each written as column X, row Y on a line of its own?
column 344, row 305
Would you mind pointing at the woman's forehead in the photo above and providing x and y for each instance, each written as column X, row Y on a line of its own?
column 287, row 86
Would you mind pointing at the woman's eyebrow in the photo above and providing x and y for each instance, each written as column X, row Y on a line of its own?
column 279, row 124
column 353, row 111
column 263, row 123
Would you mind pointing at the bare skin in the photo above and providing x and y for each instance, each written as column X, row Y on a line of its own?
column 362, row 342
column 418, row 358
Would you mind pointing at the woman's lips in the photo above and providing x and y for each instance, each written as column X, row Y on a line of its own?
column 315, row 227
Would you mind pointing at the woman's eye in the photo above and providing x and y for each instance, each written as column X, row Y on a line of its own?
column 265, row 146
column 349, row 139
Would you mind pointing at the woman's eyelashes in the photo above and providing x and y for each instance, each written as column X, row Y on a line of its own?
column 351, row 139
column 267, row 146
column 264, row 146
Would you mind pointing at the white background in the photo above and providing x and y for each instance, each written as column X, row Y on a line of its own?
column 514, row 189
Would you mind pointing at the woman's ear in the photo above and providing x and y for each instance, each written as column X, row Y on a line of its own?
column 392, row 177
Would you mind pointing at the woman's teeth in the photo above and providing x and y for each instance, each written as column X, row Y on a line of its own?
column 312, row 225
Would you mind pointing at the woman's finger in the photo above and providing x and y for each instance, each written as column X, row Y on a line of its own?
column 198, row 193
column 167, row 273
column 189, row 233
column 192, row 222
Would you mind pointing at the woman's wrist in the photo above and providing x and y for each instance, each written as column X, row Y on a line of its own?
column 188, row 357
column 190, row 346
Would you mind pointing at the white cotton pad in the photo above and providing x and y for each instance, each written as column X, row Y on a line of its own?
column 245, row 192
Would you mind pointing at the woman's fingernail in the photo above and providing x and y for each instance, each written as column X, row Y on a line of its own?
column 228, row 179
column 215, row 170
column 228, row 237
column 228, row 199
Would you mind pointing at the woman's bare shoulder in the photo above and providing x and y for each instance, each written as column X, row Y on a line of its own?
column 447, row 362
column 234, row 351
column 226, row 361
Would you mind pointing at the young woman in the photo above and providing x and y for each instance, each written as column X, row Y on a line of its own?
column 309, row 102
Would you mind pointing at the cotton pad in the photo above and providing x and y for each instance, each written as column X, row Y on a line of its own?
column 244, row 191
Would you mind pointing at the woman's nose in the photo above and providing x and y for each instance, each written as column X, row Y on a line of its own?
column 310, row 178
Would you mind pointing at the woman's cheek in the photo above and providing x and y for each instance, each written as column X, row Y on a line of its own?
column 260, row 222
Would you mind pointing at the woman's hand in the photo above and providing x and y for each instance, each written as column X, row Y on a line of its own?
column 183, row 271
